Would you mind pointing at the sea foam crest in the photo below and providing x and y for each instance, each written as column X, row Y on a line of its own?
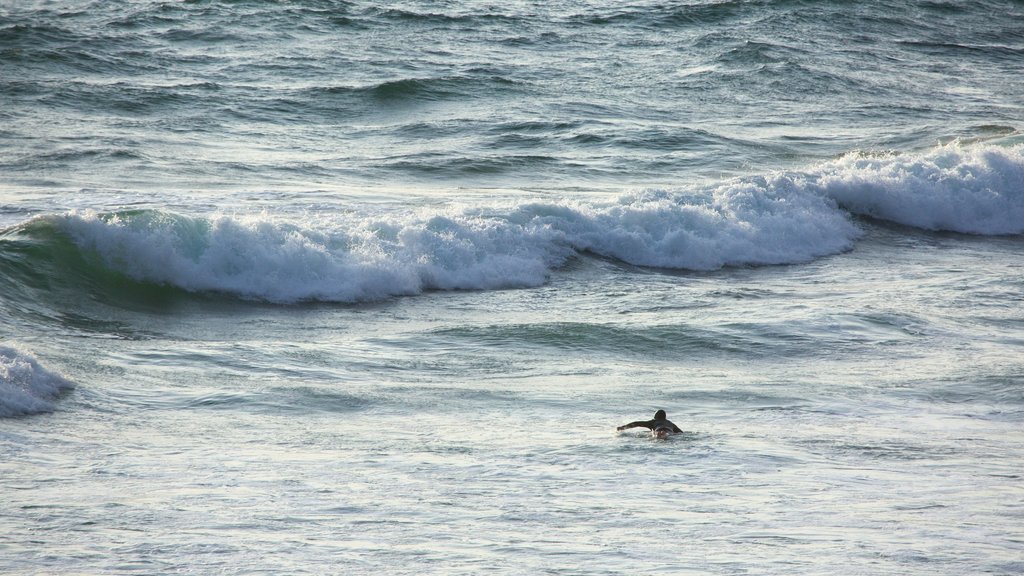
column 25, row 386
column 976, row 189
column 752, row 222
column 351, row 260
column 370, row 257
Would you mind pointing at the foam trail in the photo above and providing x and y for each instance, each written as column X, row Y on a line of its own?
column 373, row 257
column 976, row 189
column 25, row 386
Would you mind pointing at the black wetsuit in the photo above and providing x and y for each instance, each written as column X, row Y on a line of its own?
column 659, row 421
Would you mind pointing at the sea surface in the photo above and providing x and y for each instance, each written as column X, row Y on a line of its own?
column 327, row 287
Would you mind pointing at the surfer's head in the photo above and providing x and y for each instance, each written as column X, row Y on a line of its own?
column 659, row 415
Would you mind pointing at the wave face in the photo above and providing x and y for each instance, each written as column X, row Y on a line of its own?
column 355, row 258
column 971, row 189
column 351, row 256
column 25, row 386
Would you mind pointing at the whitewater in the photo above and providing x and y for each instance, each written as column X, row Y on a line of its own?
column 782, row 218
column 336, row 287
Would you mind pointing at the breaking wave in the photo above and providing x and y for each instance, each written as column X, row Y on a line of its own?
column 972, row 189
column 782, row 218
column 376, row 256
column 26, row 387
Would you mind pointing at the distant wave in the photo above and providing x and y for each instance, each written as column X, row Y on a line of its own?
column 975, row 189
column 661, row 16
column 472, row 82
column 466, row 18
column 25, row 386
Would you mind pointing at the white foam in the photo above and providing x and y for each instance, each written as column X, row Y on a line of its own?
column 753, row 222
column 976, row 189
column 355, row 259
column 25, row 386
column 781, row 218
column 358, row 258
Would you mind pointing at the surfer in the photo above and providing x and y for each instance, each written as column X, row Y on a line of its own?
column 660, row 426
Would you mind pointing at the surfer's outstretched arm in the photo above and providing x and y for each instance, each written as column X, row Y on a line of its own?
column 676, row 429
column 638, row 424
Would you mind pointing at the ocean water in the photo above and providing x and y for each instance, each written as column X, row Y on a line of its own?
column 328, row 287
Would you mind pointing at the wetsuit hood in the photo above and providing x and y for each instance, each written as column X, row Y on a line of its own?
column 659, row 415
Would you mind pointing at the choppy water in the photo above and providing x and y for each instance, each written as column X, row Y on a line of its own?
column 340, row 287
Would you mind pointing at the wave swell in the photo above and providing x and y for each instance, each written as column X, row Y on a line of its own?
column 354, row 258
column 782, row 218
column 26, row 387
